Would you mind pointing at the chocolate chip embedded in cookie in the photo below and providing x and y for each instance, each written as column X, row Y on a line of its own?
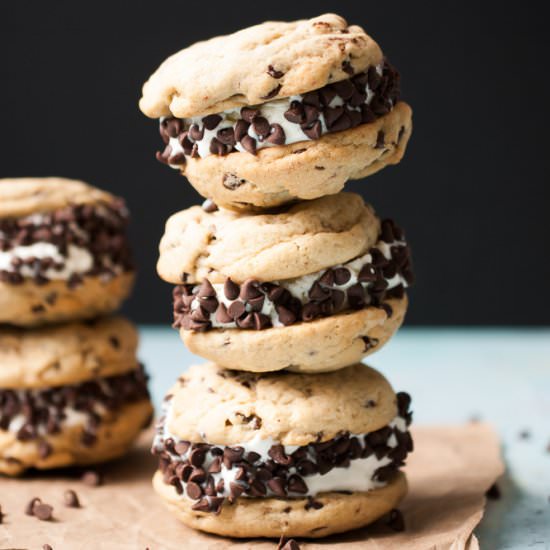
column 277, row 90
column 311, row 287
column 70, row 394
column 233, row 461
column 64, row 253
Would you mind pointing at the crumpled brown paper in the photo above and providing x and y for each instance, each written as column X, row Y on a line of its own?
column 448, row 474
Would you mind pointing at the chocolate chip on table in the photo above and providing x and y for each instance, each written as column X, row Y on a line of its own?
column 71, row 499
column 289, row 544
column 493, row 493
column 29, row 509
column 42, row 511
column 395, row 521
column 92, row 478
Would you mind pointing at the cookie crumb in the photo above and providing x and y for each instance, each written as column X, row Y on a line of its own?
column 493, row 493
column 92, row 478
column 395, row 521
column 71, row 499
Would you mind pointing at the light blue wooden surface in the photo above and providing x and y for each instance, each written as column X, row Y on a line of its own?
column 499, row 376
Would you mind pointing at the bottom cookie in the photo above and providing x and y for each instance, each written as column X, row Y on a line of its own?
column 76, row 424
column 326, row 514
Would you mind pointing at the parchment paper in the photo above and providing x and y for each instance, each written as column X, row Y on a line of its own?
column 448, row 473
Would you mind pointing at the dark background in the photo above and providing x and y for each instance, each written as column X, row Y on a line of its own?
column 472, row 191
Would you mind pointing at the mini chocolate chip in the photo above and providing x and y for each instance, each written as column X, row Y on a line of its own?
column 241, row 129
column 395, row 521
column 290, row 544
column 295, row 113
column 312, row 503
column 277, row 453
column 493, row 493
column 231, row 289
column 202, row 506
column 42, row 511
column 286, row 316
column 197, row 456
column 271, row 71
column 92, row 478
column 226, row 136
column 261, row 127
column 233, row 454
column 236, row 309
column 235, row 489
column 347, row 67
column 314, row 132
column 341, row 275
column 273, row 92
column 277, row 135
column 215, row 466
column 206, row 289
column 380, row 140
column 30, row 506
column 249, row 113
column 195, row 132
column 222, row 315
column 277, row 486
column 71, row 499
column 193, row 491
column 249, row 144
column 211, row 121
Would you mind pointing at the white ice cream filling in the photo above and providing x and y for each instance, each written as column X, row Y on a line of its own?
column 358, row 476
column 77, row 260
column 300, row 286
column 273, row 111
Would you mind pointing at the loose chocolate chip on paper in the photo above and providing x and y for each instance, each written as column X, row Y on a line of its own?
column 71, row 499
column 289, row 544
column 29, row 509
column 92, row 478
column 395, row 521
column 42, row 511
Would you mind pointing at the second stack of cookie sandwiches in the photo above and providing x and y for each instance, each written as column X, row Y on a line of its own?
column 71, row 388
column 284, row 432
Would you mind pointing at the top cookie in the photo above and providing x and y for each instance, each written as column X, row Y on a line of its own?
column 300, row 239
column 226, row 407
column 271, row 60
column 67, row 354
column 24, row 196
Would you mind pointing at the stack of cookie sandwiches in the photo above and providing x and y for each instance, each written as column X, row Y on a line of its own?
column 71, row 388
column 282, row 281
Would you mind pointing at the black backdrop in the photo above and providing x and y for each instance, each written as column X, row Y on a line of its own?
column 472, row 192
